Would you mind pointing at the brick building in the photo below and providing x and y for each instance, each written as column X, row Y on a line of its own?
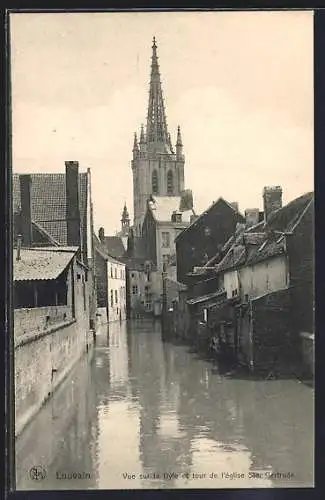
column 55, row 209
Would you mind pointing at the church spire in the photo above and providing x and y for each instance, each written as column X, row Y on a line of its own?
column 179, row 143
column 179, row 137
column 125, row 220
column 142, row 139
column 157, row 133
column 135, row 144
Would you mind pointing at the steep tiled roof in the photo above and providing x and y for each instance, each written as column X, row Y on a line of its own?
column 286, row 218
column 41, row 264
column 163, row 207
column 201, row 216
column 265, row 240
column 235, row 257
column 114, row 246
column 48, row 202
column 47, row 236
column 102, row 250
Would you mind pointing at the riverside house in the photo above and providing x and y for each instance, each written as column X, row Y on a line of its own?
column 51, row 323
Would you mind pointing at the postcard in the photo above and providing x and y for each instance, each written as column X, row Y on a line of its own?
column 163, row 249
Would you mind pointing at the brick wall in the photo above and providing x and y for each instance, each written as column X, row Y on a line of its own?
column 301, row 268
column 43, row 358
column 41, row 364
column 271, row 330
column 35, row 319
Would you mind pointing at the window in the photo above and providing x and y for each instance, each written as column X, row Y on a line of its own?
column 111, row 271
column 115, row 296
column 132, row 275
column 116, row 272
column 176, row 217
column 112, row 299
column 166, row 258
column 155, row 187
column 165, row 239
column 205, row 315
column 170, row 182
column 135, row 289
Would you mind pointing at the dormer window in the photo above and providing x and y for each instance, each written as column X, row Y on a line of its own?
column 176, row 217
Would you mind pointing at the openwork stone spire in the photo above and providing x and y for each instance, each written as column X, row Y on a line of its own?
column 157, row 134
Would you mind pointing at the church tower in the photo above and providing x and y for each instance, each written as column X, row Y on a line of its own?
column 157, row 168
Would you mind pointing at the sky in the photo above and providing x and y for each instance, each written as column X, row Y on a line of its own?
column 240, row 85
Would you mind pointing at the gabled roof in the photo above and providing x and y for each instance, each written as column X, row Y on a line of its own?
column 114, row 246
column 41, row 263
column 203, row 214
column 162, row 208
column 102, row 251
column 45, row 234
column 264, row 241
column 286, row 218
column 48, row 202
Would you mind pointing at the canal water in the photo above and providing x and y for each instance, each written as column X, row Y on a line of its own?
column 143, row 413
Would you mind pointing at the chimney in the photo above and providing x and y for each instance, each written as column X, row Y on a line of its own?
column 26, row 209
column 72, row 203
column 101, row 234
column 252, row 216
column 272, row 198
column 19, row 237
column 234, row 205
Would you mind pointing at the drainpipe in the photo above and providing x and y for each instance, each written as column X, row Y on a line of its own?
column 251, row 338
column 164, row 301
column 19, row 239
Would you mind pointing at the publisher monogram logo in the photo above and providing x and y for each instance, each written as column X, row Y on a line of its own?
column 37, row 473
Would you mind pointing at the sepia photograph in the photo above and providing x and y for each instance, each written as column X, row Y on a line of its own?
column 162, row 170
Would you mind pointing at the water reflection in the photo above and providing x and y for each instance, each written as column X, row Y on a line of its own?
column 148, row 414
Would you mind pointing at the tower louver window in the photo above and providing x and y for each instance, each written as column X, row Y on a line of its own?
column 155, row 187
column 170, row 182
